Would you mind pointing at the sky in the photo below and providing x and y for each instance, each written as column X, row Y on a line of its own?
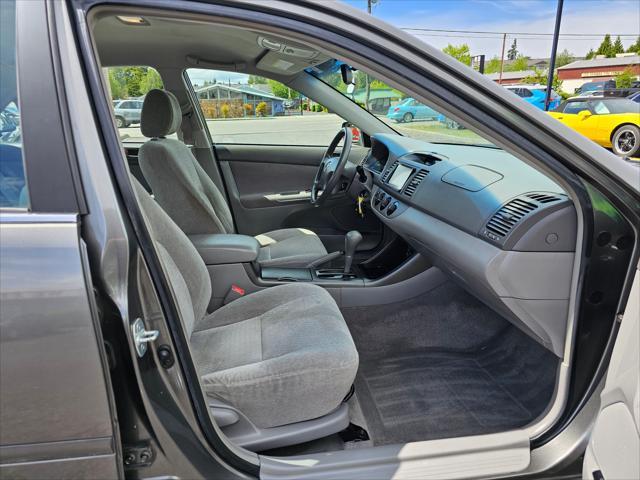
column 593, row 18
column 589, row 17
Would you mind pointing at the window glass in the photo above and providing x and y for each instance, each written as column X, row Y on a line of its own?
column 406, row 115
column 600, row 108
column 248, row 109
column 13, row 189
column 525, row 93
column 127, row 86
column 575, row 107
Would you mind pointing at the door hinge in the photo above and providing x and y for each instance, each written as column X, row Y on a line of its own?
column 136, row 456
column 141, row 336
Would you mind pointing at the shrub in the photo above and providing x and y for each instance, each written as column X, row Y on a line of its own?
column 247, row 109
column 224, row 110
column 261, row 109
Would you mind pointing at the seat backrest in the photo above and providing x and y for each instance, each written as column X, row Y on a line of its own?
column 178, row 182
column 185, row 269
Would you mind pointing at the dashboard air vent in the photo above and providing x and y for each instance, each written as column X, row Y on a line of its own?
column 508, row 216
column 412, row 186
column 387, row 174
column 543, row 197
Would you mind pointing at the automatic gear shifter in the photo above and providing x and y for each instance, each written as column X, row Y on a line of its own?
column 351, row 241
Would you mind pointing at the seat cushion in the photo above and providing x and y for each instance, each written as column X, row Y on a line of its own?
column 280, row 355
column 289, row 247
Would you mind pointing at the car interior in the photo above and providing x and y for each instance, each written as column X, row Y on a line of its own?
column 377, row 289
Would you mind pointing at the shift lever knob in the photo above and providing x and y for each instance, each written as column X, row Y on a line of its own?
column 351, row 241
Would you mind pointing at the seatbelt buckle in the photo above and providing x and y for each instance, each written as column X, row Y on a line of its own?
column 234, row 293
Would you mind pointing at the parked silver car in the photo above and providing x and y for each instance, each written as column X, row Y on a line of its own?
column 324, row 295
column 127, row 112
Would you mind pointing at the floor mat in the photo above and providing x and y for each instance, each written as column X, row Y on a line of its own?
column 425, row 393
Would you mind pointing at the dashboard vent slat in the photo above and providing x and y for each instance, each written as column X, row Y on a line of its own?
column 543, row 197
column 387, row 174
column 505, row 219
column 413, row 185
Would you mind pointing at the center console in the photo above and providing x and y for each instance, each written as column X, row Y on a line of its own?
column 232, row 262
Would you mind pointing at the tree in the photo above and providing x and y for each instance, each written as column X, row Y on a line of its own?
column 590, row 54
column 280, row 89
column 617, row 46
column 512, row 54
column 564, row 58
column 519, row 64
column 634, row 47
column 117, row 84
column 625, row 79
column 150, row 81
column 256, row 79
column 492, row 66
column 540, row 77
column 606, row 47
column 460, row 53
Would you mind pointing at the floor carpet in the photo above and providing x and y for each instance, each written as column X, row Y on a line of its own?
column 426, row 381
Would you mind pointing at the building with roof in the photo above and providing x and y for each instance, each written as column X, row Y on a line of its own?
column 511, row 78
column 575, row 74
column 237, row 100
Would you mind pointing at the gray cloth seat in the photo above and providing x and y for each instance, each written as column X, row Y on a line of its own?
column 281, row 355
column 185, row 191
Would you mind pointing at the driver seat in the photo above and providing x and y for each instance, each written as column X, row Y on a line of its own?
column 189, row 196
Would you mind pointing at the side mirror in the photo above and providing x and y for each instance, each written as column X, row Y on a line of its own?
column 347, row 74
column 584, row 114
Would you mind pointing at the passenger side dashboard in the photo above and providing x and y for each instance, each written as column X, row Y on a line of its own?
column 497, row 226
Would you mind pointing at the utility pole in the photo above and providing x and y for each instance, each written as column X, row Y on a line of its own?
column 552, row 60
column 367, row 80
column 504, row 41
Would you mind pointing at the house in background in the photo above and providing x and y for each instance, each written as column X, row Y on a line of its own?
column 575, row 74
column 221, row 100
column 511, row 78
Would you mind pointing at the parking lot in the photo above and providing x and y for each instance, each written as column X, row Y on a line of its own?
column 309, row 129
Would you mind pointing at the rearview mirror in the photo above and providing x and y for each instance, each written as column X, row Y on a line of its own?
column 584, row 114
column 347, row 74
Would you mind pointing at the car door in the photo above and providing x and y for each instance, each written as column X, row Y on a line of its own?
column 614, row 447
column 570, row 117
column 57, row 412
column 268, row 161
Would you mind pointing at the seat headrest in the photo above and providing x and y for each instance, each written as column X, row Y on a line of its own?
column 161, row 114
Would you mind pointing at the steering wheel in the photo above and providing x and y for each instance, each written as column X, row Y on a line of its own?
column 331, row 167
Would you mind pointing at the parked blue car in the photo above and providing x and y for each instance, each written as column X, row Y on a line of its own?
column 535, row 94
column 409, row 110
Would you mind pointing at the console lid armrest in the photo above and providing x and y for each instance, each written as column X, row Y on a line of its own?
column 221, row 248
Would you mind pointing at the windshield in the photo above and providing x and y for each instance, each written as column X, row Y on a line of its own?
column 397, row 109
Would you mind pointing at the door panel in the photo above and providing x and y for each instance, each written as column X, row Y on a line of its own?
column 614, row 448
column 55, row 408
column 267, row 187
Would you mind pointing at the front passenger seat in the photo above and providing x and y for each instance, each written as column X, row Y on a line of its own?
column 280, row 356
column 185, row 191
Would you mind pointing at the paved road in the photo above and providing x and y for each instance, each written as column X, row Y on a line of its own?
column 308, row 129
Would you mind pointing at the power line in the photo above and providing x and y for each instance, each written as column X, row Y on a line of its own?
column 519, row 37
column 584, row 35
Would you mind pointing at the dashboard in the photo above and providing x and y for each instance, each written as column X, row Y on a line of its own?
column 501, row 229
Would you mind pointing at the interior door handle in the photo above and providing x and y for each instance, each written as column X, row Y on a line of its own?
column 289, row 197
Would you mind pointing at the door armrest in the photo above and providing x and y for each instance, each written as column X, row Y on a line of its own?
column 223, row 248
